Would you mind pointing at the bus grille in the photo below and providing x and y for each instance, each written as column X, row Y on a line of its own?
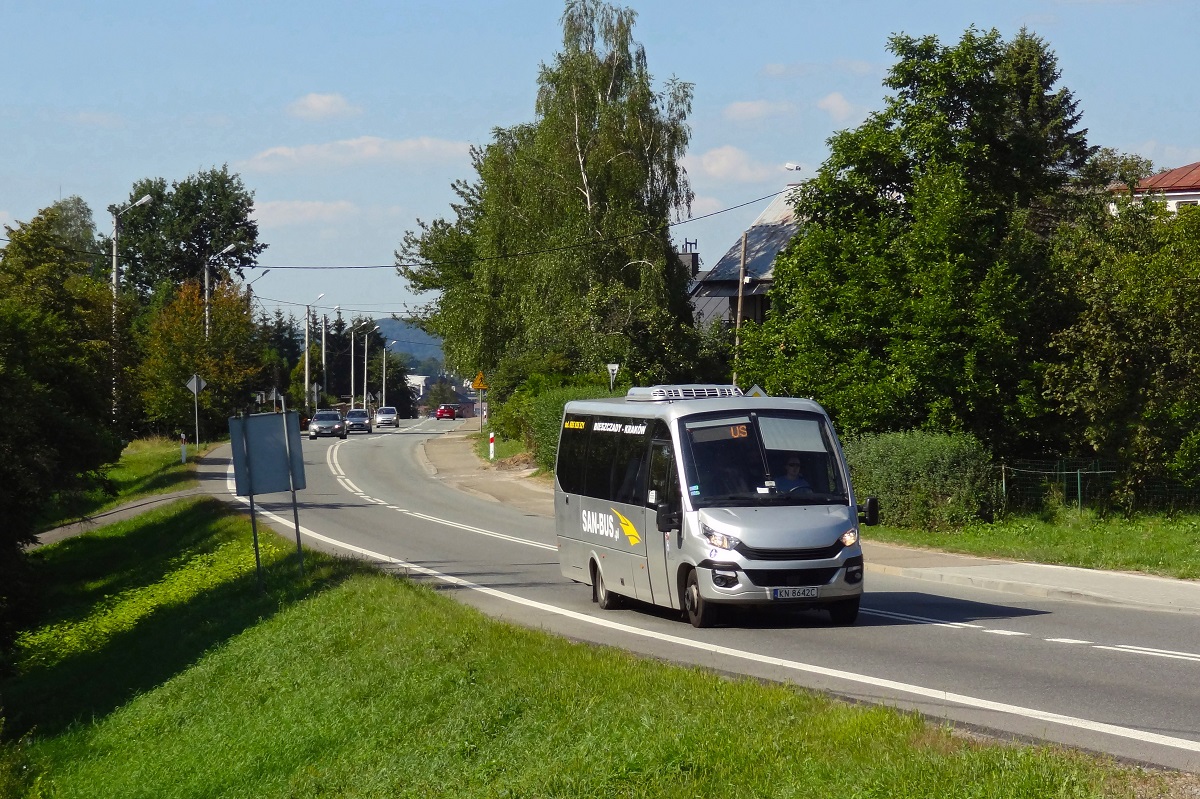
column 782, row 578
column 818, row 553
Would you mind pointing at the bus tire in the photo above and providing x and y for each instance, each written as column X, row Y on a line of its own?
column 699, row 612
column 844, row 612
column 606, row 599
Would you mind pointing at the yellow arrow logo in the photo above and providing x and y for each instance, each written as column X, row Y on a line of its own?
column 628, row 529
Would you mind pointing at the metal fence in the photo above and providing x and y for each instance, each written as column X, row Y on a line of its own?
column 1031, row 486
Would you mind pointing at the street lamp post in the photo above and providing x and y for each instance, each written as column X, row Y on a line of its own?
column 366, row 341
column 208, row 268
column 116, row 278
column 383, row 357
column 307, row 316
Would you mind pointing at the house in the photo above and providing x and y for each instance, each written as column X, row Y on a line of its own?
column 1178, row 187
column 715, row 292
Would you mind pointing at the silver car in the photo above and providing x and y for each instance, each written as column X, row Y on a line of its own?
column 387, row 417
column 358, row 419
column 327, row 423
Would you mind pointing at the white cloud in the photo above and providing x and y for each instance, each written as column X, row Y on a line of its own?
column 322, row 106
column 706, row 205
column 98, row 119
column 838, row 107
column 729, row 163
column 1168, row 156
column 285, row 213
column 350, row 152
column 751, row 110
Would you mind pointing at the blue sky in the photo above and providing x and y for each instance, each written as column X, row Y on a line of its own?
column 349, row 121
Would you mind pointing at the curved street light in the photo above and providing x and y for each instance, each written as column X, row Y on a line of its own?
column 208, row 268
column 116, row 278
column 352, row 332
column 307, row 316
column 366, row 343
column 383, row 382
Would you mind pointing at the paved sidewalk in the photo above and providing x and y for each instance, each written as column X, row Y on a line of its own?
column 113, row 515
column 451, row 458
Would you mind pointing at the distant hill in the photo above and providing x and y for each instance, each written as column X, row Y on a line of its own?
column 410, row 339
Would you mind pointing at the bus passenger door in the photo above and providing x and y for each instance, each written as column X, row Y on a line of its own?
column 663, row 486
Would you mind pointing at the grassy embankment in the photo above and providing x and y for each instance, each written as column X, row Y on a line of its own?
column 1154, row 544
column 159, row 669
column 146, row 467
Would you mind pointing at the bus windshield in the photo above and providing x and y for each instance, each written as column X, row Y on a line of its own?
column 770, row 457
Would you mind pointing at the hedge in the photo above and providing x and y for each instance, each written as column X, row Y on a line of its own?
column 924, row 480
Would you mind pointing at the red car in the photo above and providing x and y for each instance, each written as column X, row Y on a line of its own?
column 447, row 412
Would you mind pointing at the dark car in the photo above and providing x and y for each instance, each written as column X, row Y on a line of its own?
column 327, row 423
column 358, row 419
column 447, row 412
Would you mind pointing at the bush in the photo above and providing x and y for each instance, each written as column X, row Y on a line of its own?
column 929, row 480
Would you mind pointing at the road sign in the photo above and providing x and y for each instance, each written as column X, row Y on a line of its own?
column 612, row 374
column 755, row 391
column 196, row 384
column 478, row 383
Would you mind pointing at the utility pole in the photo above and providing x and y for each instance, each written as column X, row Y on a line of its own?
column 737, row 335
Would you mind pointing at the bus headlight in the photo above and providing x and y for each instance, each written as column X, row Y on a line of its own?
column 719, row 540
column 850, row 537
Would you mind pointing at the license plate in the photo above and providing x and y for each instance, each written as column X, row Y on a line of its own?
column 809, row 592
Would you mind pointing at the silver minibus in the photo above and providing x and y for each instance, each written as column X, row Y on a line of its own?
column 695, row 496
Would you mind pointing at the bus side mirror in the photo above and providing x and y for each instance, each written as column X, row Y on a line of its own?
column 868, row 511
column 666, row 519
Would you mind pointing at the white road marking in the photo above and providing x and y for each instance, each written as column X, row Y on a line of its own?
column 1145, row 650
column 921, row 619
column 480, row 531
column 793, row 665
column 1005, row 632
column 1066, row 641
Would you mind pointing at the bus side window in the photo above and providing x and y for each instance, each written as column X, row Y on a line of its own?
column 662, row 470
column 572, row 454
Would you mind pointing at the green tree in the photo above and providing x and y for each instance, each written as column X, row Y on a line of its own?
column 1129, row 369
column 919, row 291
column 184, row 228
column 176, row 349
column 559, row 248
column 55, row 324
column 440, row 393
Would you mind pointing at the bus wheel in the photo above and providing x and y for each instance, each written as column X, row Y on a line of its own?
column 844, row 612
column 606, row 599
column 699, row 612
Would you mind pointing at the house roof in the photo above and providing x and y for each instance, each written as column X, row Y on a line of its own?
column 765, row 238
column 1185, row 178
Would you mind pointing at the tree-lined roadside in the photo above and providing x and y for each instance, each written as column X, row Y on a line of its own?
column 159, row 669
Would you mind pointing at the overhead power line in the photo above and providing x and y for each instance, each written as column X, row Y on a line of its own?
column 523, row 254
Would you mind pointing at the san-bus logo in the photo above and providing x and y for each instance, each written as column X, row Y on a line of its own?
column 607, row 525
column 574, row 425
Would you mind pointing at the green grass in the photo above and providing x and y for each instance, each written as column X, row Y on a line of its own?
column 505, row 447
column 147, row 466
column 161, row 671
column 1168, row 546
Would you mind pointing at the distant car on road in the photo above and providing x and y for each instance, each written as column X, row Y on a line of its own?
column 387, row 417
column 447, row 412
column 358, row 419
column 327, row 423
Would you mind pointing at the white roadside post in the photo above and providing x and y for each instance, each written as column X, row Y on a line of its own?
column 612, row 375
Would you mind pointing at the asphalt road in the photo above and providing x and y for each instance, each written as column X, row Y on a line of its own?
column 1121, row 681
